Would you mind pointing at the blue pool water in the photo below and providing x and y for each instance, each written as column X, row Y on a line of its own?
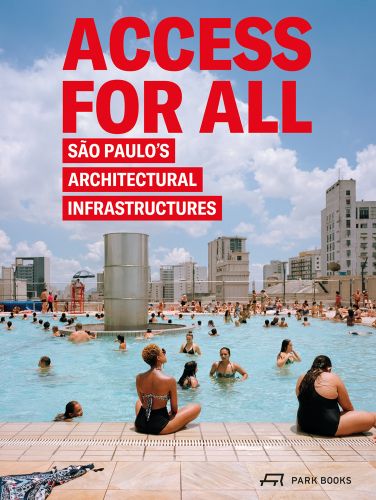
column 103, row 379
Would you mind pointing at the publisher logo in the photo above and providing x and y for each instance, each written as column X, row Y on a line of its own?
column 272, row 477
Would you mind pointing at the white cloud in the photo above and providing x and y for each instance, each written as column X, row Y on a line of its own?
column 253, row 172
column 170, row 257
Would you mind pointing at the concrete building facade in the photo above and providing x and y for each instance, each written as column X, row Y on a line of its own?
column 306, row 266
column 272, row 273
column 36, row 272
column 228, row 269
column 348, row 231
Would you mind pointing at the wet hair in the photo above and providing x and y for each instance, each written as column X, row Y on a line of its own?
column 319, row 365
column 34, row 314
column 150, row 354
column 189, row 371
column 267, row 322
column 213, row 331
column 210, row 322
column 350, row 313
column 305, row 318
column 199, row 322
column 2, row 319
column 35, row 319
column 120, row 338
column 69, row 408
column 78, row 326
column 40, row 321
column 70, row 321
column 169, row 321
column 25, row 315
column 190, row 334
column 9, row 324
column 55, row 328
column 46, row 324
column 227, row 349
column 87, row 315
column 45, row 360
column 148, row 330
column 285, row 343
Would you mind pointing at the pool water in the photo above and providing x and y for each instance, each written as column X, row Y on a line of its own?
column 102, row 378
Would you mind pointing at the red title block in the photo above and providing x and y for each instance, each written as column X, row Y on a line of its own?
column 98, row 150
column 132, row 179
column 142, row 208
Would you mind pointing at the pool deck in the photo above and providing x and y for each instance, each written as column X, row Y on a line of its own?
column 203, row 461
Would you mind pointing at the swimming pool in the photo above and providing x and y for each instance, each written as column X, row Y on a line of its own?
column 102, row 378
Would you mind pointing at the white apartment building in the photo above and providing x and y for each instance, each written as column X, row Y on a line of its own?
column 155, row 291
column 306, row 266
column 10, row 287
column 348, row 231
column 272, row 273
column 228, row 269
column 190, row 280
column 186, row 278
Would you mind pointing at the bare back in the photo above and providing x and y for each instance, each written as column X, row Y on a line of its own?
column 157, row 383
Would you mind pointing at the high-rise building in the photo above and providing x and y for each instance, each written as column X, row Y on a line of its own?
column 100, row 283
column 36, row 272
column 167, row 279
column 272, row 273
column 10, row 287
column 191, row 280
column 228, row 268
column 306, row 266
column 348, row 231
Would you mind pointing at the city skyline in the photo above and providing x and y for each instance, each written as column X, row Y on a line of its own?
column 273, row 185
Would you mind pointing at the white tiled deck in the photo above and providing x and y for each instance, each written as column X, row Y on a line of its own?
column 204, row 461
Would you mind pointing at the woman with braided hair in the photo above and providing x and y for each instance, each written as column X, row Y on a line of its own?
column 321, row 393
column 155, row 389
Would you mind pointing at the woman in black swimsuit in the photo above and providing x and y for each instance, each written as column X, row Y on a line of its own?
column 189, row 347
column 154, row 389
column 321, row 393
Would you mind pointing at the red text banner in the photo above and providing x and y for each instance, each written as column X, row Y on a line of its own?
column 99, row 150
column 142, row 208
column 132, row 179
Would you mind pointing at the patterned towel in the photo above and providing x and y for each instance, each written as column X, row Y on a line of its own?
column 38, row 485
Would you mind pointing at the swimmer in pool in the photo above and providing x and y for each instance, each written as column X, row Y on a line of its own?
column 287, row 355
column 225, row 368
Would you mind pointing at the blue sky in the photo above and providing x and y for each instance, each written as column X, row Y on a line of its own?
column 274, row 188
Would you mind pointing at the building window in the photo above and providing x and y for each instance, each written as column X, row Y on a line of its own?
column 348, row 243
column 348, row 201
column 348, row 192
column 372, row 214
column 363, row 226
column 238, row 257
column 348, row 253
column 348, row 233
column 348, row 263
column 363, row 213
column 348, row 223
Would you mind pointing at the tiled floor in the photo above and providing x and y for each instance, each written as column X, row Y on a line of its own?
column 204, row 461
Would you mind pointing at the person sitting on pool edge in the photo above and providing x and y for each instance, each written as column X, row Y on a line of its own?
column 188, row 379
column 224, row 368
column 287, row 355
column 189, row 347
column 73, row 409
column 154, row 389
column 321, row 393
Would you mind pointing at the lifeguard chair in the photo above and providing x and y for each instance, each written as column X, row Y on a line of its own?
column 78, row 291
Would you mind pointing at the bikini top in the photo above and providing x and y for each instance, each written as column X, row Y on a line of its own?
column 191, row 350
column 226, row 375
column 149, row 401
